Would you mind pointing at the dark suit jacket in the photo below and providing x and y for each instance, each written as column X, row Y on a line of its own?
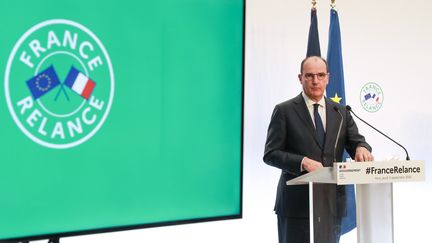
column 291, row 137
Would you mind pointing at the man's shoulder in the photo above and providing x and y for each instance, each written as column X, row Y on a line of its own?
column 291, row 102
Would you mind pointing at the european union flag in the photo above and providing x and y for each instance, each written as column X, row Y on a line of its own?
column 43, row 82
column 336, row 91
column 336, row 86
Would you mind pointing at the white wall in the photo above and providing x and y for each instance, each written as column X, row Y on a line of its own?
column 388, row 42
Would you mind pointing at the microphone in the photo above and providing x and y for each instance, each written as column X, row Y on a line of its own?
column 338, row 134
column 406, row 152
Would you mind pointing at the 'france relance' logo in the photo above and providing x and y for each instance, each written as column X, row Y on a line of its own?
column 59, row 83
column 371, row 97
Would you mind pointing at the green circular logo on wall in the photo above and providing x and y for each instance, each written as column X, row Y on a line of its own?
column 371, row 97
column 59, row 83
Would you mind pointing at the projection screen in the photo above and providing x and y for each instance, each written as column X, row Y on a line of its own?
column 119, row 115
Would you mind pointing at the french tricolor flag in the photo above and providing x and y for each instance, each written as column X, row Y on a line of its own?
column 79, row 83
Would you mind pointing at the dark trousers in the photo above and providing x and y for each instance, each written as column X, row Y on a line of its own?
column 296, row 230
column 293, row 230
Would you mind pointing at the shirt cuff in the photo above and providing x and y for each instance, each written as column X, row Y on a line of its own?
column 301, row 165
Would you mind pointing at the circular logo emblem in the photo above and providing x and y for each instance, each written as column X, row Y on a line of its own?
column 371, row 97
column 59, row 83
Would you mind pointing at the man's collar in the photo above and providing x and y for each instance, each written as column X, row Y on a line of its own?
column 310, row 102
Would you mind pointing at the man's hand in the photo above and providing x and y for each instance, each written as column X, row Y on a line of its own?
column 363, row 155
column 311, row 165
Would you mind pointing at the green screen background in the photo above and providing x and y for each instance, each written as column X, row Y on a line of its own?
column 170, row 148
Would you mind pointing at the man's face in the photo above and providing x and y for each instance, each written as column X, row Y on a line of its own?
column 314, row 78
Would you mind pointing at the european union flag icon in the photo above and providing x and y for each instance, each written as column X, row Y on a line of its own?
column 368, row 96
column 43, row 82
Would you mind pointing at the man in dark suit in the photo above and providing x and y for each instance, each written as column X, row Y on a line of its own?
column 301, row 138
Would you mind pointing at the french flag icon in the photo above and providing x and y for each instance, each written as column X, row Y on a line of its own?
column 79, row 83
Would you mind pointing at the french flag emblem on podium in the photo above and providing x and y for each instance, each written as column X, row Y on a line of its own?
column 79, row 83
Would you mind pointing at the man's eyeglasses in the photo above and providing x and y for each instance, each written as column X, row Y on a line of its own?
column 311, row 76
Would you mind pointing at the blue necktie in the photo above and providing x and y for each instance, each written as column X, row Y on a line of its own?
column 319, row 127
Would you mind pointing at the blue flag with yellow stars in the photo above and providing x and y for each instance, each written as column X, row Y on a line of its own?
column 335, row 88
column 336, row 91
column 43, row 82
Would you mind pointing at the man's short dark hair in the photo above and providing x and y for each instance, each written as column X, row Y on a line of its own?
column 307, row 58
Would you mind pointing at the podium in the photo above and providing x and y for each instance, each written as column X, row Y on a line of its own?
column 374, row 193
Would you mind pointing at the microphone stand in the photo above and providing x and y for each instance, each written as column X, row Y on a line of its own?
column 350, row 110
